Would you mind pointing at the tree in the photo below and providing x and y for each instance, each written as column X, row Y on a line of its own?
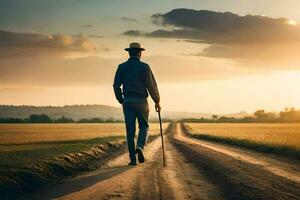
column 215, row 117
column 290, row 115
column 63, row 119
column 262, row 116
column 110, row 120
column 40, row 119
column 11, row 120
column 93, row 120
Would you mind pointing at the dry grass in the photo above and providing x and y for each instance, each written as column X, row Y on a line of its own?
column 25, row 144
column 281, row 135
column 34, row 133
column 32, row 155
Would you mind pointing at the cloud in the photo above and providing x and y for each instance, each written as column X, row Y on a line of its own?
column 18, row 44
column 225, row 27
column 248, row 39
column 53, row 71
column 129, row 19
column 87, row 26
column 134, row 33
column 95, row 36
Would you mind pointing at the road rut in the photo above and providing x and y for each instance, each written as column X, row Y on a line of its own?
column 195, row 170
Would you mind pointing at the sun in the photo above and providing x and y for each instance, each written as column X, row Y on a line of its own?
column 291, row 22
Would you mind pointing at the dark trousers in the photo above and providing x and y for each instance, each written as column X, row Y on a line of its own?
column 133, row 111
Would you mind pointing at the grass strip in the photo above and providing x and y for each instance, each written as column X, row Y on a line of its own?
column 22, row 181
column 34, row 152
column 249, row 144
column 16, row 182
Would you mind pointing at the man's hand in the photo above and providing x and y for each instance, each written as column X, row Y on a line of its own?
column 157, row 107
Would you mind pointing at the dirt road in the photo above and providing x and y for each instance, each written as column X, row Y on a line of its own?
column 195, row 170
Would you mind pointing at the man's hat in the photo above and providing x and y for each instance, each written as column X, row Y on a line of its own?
column 135, row 45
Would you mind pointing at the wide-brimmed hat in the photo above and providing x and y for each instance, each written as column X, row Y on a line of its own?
column 135, row 45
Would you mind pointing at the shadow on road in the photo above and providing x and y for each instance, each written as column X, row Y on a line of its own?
column 80, row 183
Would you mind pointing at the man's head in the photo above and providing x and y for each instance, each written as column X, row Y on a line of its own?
column 135, row 50
column 135, row 53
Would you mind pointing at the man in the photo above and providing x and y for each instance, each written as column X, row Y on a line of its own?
column 137, row 80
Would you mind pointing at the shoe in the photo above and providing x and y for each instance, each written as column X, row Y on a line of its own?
column 132, row 163
column 141, row 158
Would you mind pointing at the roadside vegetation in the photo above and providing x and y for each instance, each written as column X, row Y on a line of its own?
column 15, row 156
column 22, row 172
column 43, row 118
column 282, row 139
column 289, row 115
column 33, row 155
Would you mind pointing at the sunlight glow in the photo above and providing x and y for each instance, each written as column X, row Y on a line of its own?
column 291, row 22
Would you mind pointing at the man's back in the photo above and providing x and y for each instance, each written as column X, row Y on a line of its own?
column 137, row 79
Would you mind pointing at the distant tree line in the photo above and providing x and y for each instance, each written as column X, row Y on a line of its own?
column 42, row 118
column 260, row 116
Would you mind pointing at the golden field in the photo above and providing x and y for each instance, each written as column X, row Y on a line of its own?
column 33, row 133
column 284, row 135
column 25, row 144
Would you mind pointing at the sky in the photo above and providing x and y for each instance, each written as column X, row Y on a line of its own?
column 208, row 56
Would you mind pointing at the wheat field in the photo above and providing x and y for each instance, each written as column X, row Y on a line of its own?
column 25, row 144
column 284, row 135
column 33, row 133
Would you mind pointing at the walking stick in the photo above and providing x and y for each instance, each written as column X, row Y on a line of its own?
column 162, row 140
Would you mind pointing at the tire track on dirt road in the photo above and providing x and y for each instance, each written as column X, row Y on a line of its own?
column 236, row 176
column 150, row 180
column 193, row 171
column 115, row 180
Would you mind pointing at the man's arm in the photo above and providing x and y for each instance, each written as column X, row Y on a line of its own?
column 152, row 88
column 117, row 86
